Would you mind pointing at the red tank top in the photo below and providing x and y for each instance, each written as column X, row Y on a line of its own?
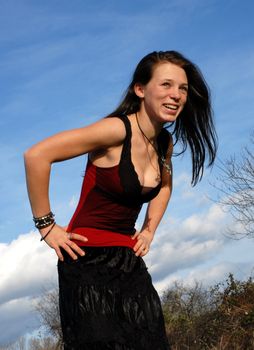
column 111, row 198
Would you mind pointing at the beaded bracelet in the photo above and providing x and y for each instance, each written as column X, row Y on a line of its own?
column 44, row 221
column 43, row 238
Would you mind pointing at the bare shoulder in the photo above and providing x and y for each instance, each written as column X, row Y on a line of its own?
column 103, row 134
column 108, row 131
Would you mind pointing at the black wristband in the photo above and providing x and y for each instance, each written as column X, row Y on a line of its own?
column 44, row 221
column 43, row 238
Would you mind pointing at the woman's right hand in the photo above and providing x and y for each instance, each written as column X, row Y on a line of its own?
column 58, row 238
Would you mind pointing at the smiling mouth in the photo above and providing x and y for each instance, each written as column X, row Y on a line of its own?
column 170, row 107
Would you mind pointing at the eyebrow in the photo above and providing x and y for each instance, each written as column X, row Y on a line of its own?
column 185, row 84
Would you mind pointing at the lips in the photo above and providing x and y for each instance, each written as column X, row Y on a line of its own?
column 171, row 107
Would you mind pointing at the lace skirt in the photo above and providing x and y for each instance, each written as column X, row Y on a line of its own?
column 107, row 301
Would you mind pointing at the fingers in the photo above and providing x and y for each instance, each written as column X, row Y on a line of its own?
column 71, row 248
column 141, row 248
column 142, row 251
column 77, row 237
column 136, row 234
column 74, row 247
column 62, row 239
column 59, row 254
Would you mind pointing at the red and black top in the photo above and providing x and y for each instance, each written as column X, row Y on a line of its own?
column 111, row 198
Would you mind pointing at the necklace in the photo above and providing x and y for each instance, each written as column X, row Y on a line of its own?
column 162, row 159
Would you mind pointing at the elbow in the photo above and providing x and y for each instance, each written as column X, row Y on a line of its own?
column 28, row 155
column 31, row 156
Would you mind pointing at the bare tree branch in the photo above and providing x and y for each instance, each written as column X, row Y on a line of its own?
column 236, row 187
column 48, row 310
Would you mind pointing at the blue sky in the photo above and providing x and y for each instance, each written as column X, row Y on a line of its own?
column 66, row 64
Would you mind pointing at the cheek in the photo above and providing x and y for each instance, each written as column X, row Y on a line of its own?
column 153, row 93
column 184, row 99
column 151, row 98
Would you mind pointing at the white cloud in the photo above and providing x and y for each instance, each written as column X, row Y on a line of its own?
column 17, row 317
column 27, row 267
column 210, row 223
column 174, row 257
column 186, row 244
column 208, row 276
column 206, row 225
column 26, row 264
column 216, row 273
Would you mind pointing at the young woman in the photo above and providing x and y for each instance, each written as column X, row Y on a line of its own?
column 107, row 300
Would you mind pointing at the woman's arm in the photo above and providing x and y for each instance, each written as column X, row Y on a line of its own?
column 104, row 134
column 155, row 210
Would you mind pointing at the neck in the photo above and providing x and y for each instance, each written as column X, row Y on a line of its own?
column 148, row 126
column 161, row 157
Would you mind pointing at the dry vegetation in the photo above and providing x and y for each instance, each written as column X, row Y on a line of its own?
column 197, row 318
column 218, row 318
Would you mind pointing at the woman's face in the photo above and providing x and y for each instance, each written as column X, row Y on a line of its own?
column 164, row 96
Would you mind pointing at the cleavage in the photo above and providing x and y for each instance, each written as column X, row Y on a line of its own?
column 144, row 187
column 155, row 172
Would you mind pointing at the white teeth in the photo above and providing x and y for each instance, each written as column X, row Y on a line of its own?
column 171, row 106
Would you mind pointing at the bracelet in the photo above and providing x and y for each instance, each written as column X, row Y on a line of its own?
column 44, row 221
column 43, row 238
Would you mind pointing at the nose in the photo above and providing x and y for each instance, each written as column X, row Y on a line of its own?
column 175, row 93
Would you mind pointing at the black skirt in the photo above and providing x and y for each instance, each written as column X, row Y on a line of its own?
column 107, row 301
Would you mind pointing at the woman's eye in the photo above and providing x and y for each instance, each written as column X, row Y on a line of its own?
column 166, row 84
column 184, row 88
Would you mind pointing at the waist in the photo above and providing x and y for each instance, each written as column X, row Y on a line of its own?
column 102, row 238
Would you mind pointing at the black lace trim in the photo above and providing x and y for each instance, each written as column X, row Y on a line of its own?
column 128, row 176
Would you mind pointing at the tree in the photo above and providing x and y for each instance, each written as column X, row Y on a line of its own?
column 47, row 343
column 236, row 186
column 48, row 310
column 19, row 344
column 236, row 310
column 188, row 311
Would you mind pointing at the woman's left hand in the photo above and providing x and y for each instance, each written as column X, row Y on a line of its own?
column 144, row 240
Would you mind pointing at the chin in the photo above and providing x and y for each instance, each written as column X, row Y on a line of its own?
column 169, row 118
column 172, row 118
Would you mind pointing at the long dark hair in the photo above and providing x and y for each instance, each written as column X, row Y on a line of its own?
column 194, row 126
